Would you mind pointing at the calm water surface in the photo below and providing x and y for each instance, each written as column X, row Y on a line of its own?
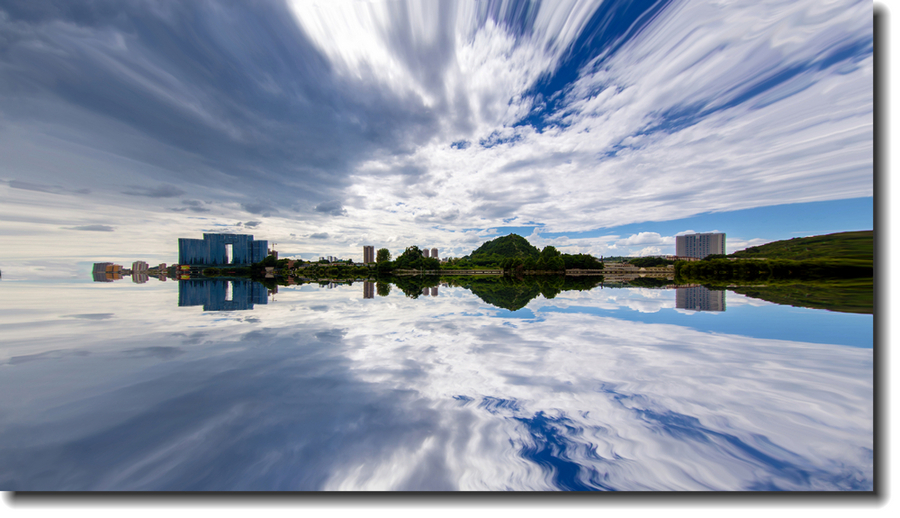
column 115, row 386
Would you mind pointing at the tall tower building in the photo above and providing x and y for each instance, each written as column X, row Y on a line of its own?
column 425, row 252
column 368, row 254
column 434, row 253
column 699, row 245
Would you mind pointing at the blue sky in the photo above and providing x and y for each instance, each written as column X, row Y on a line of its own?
column 609, row 126
column 766, row 224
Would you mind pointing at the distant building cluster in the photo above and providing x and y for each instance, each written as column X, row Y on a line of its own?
column 434, row 253
column 699, row 245
column 140, row 272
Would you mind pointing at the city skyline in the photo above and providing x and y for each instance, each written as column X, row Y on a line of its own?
column 606, row 128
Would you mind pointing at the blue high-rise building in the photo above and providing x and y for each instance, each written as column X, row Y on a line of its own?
column 212, row 250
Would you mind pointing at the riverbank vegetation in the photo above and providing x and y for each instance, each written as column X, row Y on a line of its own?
column 767, row 270
column 845, row 255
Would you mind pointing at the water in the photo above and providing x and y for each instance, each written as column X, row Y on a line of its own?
column 115, row 386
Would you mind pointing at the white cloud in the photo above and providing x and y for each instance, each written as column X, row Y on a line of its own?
column 646, row 238
column 647, row 250
column 657, row 131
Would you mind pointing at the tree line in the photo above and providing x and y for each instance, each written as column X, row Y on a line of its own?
column 718, row 270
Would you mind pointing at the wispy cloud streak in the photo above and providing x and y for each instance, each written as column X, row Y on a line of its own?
column 420, row 120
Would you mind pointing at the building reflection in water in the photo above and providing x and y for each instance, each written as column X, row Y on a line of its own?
column 368, row 290
column 107, row 272
column 221, row 294
column 699, row 298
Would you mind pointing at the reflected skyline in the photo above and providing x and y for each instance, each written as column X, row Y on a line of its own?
column 514, row 293
column 139, row 272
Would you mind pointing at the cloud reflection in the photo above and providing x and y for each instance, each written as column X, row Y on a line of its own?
column 394, row 393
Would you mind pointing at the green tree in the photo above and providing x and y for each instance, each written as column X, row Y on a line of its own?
column 582, row 261
column 549, row 252
column 556, row 264
column 382, row 255
column 431, row 263
column 410, row 259
column 268, row 261
column 550, row 259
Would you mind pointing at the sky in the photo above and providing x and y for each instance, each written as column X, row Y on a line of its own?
column 602, row 127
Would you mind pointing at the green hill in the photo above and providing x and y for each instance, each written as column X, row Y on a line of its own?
column 504, row 247
column 847, row 247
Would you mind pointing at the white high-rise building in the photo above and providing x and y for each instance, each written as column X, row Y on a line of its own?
column 699, row 245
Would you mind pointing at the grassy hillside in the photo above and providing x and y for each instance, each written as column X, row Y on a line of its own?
column 849, row 247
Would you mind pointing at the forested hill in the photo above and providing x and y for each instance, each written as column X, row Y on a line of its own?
column 504, row 247
column 855, row 247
